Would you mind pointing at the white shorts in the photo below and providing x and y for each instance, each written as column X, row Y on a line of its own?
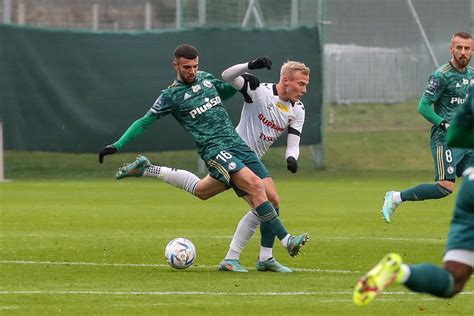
column 460, row 255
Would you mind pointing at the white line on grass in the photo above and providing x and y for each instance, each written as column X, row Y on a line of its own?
column 197, row 293
column 52, row 235
column 153, row 265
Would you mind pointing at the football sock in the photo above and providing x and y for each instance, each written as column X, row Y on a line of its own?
column 268, row 237
column 425, row 192
column 267, row 213
column 179, row 178
column 245, row 230
column 265, row 253
column 428, row 278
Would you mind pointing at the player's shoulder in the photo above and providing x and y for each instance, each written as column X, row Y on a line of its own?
column 204, row 75
column 267, row 88
column 443, row 70
column 298, row 108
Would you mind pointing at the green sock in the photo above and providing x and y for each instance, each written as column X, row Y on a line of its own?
column 267, row 214
column 425, row 192
column 268, row 237
column 428, row 278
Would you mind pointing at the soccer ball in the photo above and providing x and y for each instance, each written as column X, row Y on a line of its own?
column 180, row 253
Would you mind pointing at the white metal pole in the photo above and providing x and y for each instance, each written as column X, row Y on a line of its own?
column 294, row 12
column 178, row 14
column 147, row 16
column 202, row 12
column 422, row 31
column 7, row 11
column 21, row 14
column 95, row 17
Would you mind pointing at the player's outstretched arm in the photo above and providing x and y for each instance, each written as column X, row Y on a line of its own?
column 234, row 74
column 136, row 129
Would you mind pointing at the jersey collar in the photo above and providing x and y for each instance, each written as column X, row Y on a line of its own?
column 275, row 93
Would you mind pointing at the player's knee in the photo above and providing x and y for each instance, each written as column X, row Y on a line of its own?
column 274, row 199
column 445, row 186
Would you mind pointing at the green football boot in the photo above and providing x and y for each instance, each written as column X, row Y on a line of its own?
column 389, row 206
column 295, row 243
column 231, row 265
column 381, row 276
column 133, row 169
column 271, row 265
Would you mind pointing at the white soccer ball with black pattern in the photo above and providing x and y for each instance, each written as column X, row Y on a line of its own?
column 180, row 253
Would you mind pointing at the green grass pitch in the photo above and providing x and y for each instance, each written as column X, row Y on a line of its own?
column 96, row 247
column 74, row 241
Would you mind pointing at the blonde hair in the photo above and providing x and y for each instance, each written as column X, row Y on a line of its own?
column 291, row 66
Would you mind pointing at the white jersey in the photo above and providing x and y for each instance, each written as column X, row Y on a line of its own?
column 265, row 117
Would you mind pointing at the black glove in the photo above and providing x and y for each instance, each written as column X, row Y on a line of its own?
column 444, row 125
column 291, row 164
column 252, row 80
column 107, row 150
column 260, row 63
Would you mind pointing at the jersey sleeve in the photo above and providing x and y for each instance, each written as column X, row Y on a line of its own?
column 136, row 129
column 225, row 90
column 296, row 126
column 162, row 106
column 436, row 85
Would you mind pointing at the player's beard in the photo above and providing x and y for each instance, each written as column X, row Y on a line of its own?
column 463, row 62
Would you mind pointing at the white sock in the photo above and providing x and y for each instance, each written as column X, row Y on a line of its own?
column 285, row 239
column 179, row 178
column 397, row 198
column 405, row 273
column 245, row 230
column 265, row 253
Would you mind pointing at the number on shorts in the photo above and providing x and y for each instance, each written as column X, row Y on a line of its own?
column 449, row 155
column 224, row 156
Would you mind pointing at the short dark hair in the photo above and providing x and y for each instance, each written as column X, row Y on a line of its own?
column 186, row 51
column 464, row 35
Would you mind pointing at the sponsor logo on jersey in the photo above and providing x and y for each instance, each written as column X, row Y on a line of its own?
column 232, row 165
column 266, row 138
column 457, row 100
column 210, row 103
column 432, row 85
column 158, row 104
column 207, row 83
column 458, row 85
column 196, row 88
column 186, row 96
column 282, row 107
column 269, row 123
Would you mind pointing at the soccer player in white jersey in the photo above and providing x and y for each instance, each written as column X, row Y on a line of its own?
column 268, row 111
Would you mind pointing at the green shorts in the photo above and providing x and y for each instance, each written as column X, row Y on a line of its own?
column 229, row 160
column 449, row 163
column 461, row 232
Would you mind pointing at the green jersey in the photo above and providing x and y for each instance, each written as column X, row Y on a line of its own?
column 461, row 131
column 198, row 108
column 447, row 89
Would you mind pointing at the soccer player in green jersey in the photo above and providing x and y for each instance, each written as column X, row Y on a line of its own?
column 458, row 259
column 446, row 90
column 194, row 100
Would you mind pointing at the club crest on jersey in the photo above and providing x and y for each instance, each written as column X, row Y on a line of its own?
column 210, row 103
column 207, row 83
column 282, row 107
